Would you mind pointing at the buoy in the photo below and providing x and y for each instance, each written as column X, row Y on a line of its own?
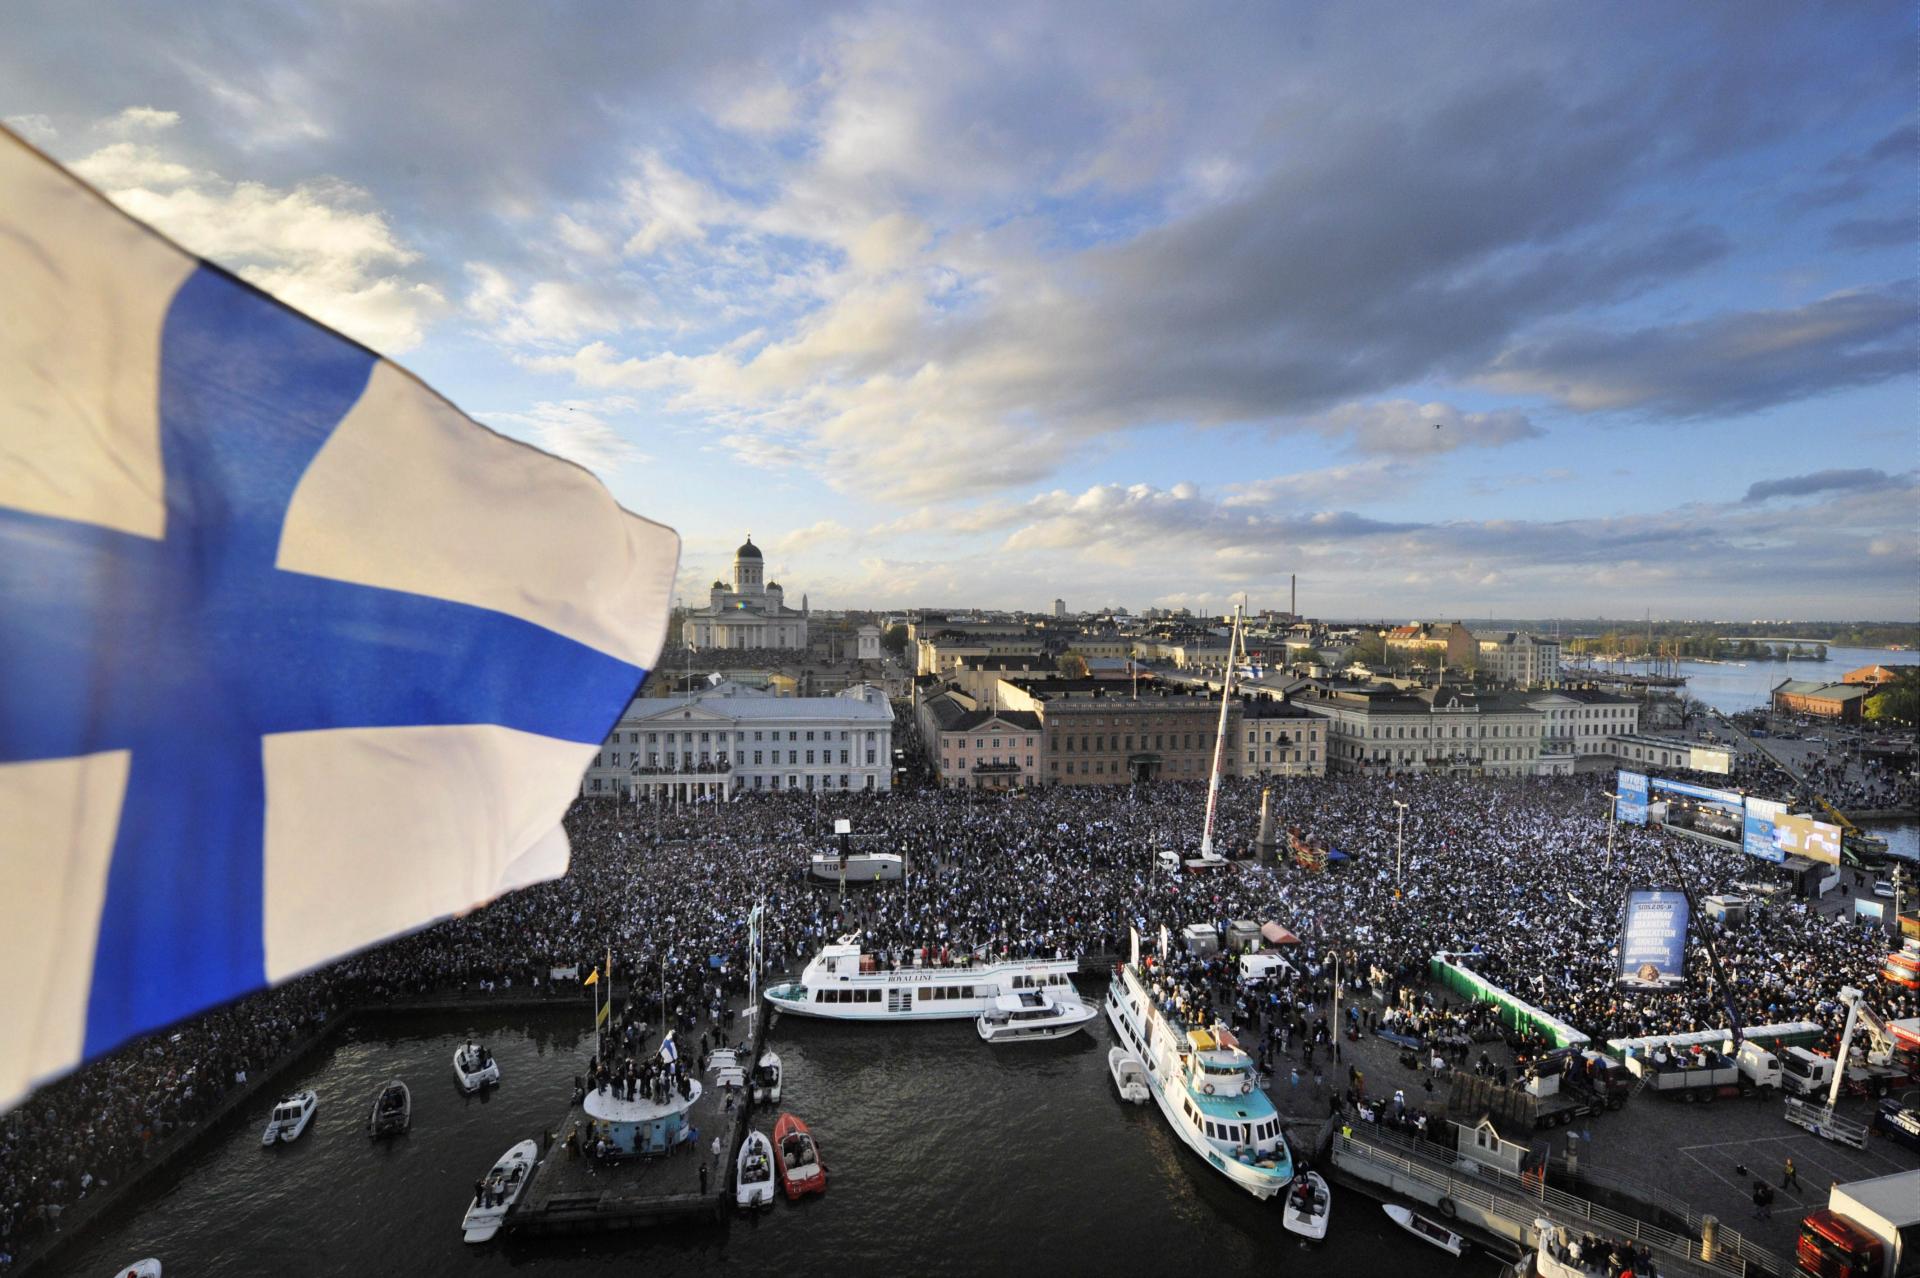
column 1447, row 1208
column 1207, row 1088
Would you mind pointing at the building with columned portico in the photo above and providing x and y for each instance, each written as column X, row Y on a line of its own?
column 753, row 614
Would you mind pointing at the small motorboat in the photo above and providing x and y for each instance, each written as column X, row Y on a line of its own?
column 1029, row 1016
column 499, row 1191
column 1309, row 1206
column 753, row 1172
column 290, row 1118
column 766, row 1078
column 148, row 1268
column 1420, row 1227
column 797, row 1158
column 392, row 1110
column 475, row 1068
column 1129, row 1075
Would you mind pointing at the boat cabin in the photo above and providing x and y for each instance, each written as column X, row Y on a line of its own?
column 287, row 1111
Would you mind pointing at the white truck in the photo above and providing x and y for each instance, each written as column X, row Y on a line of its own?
column 1868, row 1229
column 1702, row 1074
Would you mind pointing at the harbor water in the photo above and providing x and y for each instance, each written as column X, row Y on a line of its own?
column 944, row 1156
column 1746, row 685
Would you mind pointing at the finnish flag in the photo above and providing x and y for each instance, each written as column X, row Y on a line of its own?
column 668, row 1052
column 294, row 657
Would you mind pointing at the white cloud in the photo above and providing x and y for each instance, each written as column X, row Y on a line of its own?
column 575, row 429
column 767, row 105
column 320, row 246
column 820, row 533
column 1401, row 428
column 35, row 128
column 141, row 120
column 547, row 311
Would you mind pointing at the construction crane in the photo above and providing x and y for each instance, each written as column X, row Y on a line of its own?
column 1852, row 838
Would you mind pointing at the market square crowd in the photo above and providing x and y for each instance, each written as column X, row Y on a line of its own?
column 1518, row 875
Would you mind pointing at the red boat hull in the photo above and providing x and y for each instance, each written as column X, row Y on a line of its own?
column 797, row 1186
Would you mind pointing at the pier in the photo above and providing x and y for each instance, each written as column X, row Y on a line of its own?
column 573, row 1193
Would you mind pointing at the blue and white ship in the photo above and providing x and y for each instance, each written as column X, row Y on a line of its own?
column 1206, row 1087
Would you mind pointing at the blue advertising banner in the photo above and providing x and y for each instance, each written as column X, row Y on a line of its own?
column 1759, row 837
column 1631, row 806
column 1653, row 941
column 1731, row 798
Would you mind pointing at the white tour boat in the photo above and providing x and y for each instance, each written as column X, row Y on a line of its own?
column 1309, row 1206
column 148, row 1268
column 1204, row 1085
column 290, row 1118
column 1129, row 1075
column 475, row 1068
column 1033, row 1016
column 842, row 984
column 753, row 1172
column 499, row 1192
column 860, row 867
column 766, row 1079
column 1420, row 1227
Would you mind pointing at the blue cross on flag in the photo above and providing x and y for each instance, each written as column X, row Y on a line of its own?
column 668, row 1052
column 294, row 657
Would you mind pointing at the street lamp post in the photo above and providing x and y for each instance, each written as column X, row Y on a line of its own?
column 1399, row 845
column 1613, row 819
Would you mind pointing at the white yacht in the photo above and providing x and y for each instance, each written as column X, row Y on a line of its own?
column 475, row 1068
column 766, row 1079
column 1033, row 1016
column 148, row 1268
column 290, row 1118
column 753, row 1172
column 842, row 984
column 860, row 867
column 499, row 1192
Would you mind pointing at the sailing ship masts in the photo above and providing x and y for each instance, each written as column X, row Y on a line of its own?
column 1220, row 737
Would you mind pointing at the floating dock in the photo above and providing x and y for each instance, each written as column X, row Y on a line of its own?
column 574, row 1193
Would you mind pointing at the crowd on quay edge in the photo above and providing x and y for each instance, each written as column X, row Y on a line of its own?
column 1521, row 875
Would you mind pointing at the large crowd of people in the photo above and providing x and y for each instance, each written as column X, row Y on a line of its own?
column 1523, row 877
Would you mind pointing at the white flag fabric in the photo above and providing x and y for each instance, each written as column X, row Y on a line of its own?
column 294, row 657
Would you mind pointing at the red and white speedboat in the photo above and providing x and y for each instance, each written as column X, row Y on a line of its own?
column 797, row 1158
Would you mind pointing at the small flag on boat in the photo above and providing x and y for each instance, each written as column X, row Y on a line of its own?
column 668, row 1052
column 593, row 979
column 277, row 623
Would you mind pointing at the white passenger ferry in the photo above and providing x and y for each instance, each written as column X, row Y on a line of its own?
column 843, row 984
column 1204, row 1085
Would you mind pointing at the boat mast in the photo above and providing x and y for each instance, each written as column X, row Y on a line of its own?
column 1220, row 737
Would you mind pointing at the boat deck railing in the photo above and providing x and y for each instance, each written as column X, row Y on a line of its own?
column 1520, row 1198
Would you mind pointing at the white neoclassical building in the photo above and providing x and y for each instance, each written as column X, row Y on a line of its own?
column 754, row 614
column 732, row 741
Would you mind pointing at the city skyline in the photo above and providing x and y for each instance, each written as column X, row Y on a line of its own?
column 1549, row 312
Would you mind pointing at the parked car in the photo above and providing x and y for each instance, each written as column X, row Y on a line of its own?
column 1883, row 888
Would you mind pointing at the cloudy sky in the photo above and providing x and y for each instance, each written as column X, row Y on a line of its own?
column 1517, row 308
